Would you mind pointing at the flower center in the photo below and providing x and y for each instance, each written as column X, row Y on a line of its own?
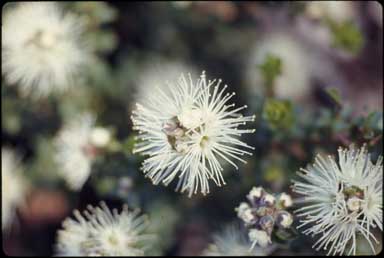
column 353, row 197
column 112, row 239
column 43, row 39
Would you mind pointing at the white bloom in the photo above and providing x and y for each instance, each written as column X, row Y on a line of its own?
column 100, row 136
column 233, row 242
column 286, row 200
column 338, row 11
column 41, row 48
column 259, row 237
column 331, row 191
column 189, row 146
column 13, row 187
column 294, row 80
column 74, row 150
column 103, row 233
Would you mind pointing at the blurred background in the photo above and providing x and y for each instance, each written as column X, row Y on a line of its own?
column 312, row 74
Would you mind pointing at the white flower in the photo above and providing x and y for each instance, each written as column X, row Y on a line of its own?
column 187, row 130
column 331, row 207
column 13, row 187
column 75, row 151
column 294, row 80
column 103, row 233
column 233, row 242
column 338, row 11
column 259, row 237
column 41, row 48
column 100, row 136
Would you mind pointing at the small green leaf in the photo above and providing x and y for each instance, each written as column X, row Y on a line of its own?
column 334, row 94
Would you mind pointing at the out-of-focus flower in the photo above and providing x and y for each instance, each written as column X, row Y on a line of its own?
column 264, row 214
column 186, row 129
column 233, row 242
column 13, row 186
column 42, row 50
column 102, row 232
column 77, row 145
column 342, row 199
column 294, row 77
column 156, row 74
column 338, row 11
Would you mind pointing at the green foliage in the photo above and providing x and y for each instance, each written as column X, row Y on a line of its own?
column 270, row 69
column 347, row 36
column 278, row 113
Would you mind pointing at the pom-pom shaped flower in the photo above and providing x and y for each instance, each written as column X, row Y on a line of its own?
column 233, row 242
column 13, row 187
column 341, row 199
column 102, row 232
column 186, row 129
column 77, row 145
column 263, row 214
column 41, row 47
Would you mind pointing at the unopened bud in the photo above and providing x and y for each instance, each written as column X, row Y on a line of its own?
column 99, row 137
column 259, row 237
column 284, row 219
column 268, row 200
column 286, row 200
column 255, row 193
column 266, row 223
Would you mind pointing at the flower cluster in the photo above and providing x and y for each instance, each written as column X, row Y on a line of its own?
column 103, row 233
column 342, row 199
column 77, row 145
column 263, row 214
column 186, row 130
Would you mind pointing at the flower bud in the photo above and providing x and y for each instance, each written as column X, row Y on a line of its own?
column 100, row 137
column 266, row 223
column 286, row 200
column 284, row 219
column 255, row 193
column 267, row 200
column 259, row 237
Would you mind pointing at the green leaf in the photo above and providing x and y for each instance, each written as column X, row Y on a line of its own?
column 278, row 113
column 270, row 69
column 334, row 94
column 347, row 36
